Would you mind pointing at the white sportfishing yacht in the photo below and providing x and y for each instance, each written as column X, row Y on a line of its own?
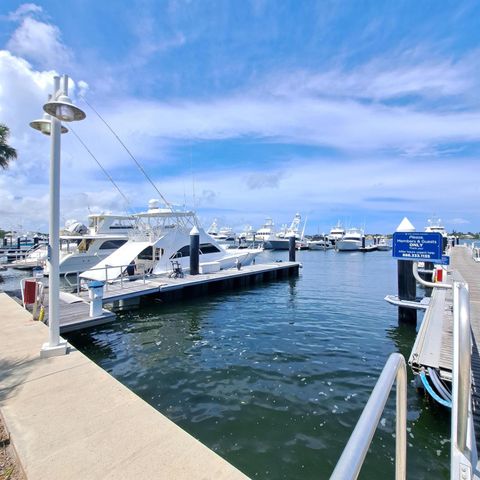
column 248, row 234
column 336, row 233
column 213, row 229
column 161, row 243
column 351, row 241
column 435, row 224
column 266, row 232
column 281, row 240
column 226, row 234
column 81, row 248
column 383, row 244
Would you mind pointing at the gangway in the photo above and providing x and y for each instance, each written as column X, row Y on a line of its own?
column 463, row 454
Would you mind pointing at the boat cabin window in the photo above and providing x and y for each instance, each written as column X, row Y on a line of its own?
column 121, row 224
column 208, row 248
column 146, row 254
column 112, row 244
column 183, row 252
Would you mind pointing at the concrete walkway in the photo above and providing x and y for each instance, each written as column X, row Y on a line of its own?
column 69, row 419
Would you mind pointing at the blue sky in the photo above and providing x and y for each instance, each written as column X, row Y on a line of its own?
column 355, row 111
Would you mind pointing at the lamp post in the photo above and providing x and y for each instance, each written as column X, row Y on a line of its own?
column 58, row 108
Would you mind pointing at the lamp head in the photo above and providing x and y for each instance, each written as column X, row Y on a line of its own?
column 64, row 109
column 44, row 125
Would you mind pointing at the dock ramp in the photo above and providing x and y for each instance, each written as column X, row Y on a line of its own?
column 116, row 263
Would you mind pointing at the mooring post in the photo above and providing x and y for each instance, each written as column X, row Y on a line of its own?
column 427, row 277
column 194, row 251
column 19, row 240
column 291, row 248
column 458, row 240
column 363, row 241
column 407, row 286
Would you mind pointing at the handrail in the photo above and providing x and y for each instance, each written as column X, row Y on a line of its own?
column 461, row 365
column 353, row 456
column 423, row 282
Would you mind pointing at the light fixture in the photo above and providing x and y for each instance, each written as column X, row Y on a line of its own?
column 44, row 125
column 64, row 109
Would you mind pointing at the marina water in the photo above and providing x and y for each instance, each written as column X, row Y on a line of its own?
column 274, row 377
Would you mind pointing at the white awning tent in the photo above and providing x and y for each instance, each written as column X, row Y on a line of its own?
column 116, row 263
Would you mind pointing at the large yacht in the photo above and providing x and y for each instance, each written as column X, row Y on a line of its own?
column 435, row 224
column 281, row 240
column 266, row 232
column 162, row 242
column 336, row 233
column 351, row 241
column 81, row 248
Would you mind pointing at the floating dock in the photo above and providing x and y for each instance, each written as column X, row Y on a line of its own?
column 74, row 308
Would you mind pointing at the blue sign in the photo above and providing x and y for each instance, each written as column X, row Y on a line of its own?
column 445, row 260
column 418, row 246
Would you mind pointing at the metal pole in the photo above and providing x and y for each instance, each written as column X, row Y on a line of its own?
column 291, row 248
column 54, row 347
column 462, row 360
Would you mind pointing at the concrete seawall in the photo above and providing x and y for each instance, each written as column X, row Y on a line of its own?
column 69, row 419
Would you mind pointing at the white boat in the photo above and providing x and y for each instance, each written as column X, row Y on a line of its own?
column 383, row 244
column 162, row 243
column 213, row 229
column 321, row 244
column 336, row 233
column 435, row 225
column 281, row 240
column 248, row 234
column 266, row 232
column 351, row 241
column 80, row 251
column 226, row 234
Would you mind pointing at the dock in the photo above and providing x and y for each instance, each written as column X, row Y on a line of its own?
column 74, row 307
column 433, row 346
column 68, row 418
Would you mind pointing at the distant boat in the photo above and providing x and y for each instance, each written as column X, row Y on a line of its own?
column 435, row 224
column 281, row 240
column 336, row 233
column 266, row 232
column 351, row 241
column 322, row 244
column 383, row 244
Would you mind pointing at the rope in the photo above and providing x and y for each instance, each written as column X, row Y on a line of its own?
column 127, row 150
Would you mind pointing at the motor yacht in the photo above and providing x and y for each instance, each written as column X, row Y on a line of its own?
column 351, row 241
column 162, row 242
column 266, row 232
column 81, row 248
column 281, row 240
column 336, row 233
column 383, row 244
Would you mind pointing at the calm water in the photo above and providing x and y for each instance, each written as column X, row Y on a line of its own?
column 274, row 378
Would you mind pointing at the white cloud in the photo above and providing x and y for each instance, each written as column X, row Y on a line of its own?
column 40, row 43
column 23, row 10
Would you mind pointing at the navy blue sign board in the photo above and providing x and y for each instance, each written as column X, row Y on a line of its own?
column 418, row 246
column 445, row 260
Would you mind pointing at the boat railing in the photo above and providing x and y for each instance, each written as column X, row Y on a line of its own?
column 464, row 455
column 79, row 282
column 353, row 456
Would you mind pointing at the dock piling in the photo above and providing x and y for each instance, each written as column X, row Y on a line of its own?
column 194, row 251
column 291, row 248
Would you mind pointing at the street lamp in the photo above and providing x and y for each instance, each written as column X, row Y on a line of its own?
column 58, row 108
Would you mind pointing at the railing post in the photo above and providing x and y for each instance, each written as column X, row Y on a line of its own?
column 461, row 362
column 353, row 456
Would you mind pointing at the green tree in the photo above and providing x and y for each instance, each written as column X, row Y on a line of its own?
column 7, row 153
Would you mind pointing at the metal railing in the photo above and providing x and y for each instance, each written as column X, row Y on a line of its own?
column 353, row 456
column 463, row 445
column 423, row 282
column 119, row 278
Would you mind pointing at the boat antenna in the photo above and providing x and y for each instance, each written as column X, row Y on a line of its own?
column 128, row 151
column 101, row 167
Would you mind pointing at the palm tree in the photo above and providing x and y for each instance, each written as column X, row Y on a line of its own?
column 7, row 153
